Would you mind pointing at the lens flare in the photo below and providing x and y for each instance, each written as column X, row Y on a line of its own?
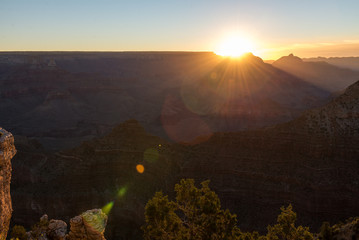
column 121, row 192
column 140, row 168
column 107, row 208
column 182, row 125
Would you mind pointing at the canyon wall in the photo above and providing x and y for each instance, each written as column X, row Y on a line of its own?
column 7, row 151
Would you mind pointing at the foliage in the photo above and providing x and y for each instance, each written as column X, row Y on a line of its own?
column 18, row 232
column 342, row 230
column 285, row 228
column 326, row 232
column 251, row 236
column 195, row 214
column 39, row 229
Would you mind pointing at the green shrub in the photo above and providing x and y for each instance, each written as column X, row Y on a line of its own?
column 18, row 232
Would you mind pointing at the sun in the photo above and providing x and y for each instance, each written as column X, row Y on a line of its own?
column 235, row 46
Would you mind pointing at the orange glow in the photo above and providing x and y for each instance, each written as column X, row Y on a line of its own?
column 140, row 168
column 235, row 46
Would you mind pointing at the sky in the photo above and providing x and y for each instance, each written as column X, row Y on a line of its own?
column 307, row 28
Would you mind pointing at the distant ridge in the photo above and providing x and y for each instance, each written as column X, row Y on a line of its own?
column 344, row 62
column 320, row 73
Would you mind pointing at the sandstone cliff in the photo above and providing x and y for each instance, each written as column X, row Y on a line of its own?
column 7, row 151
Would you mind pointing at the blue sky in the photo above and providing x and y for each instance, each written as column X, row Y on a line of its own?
column 116, row 25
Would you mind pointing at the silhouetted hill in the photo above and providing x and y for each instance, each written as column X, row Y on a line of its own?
column 320, row 73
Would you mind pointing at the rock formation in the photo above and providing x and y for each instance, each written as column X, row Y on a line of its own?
column 7, row 151
column 57, row 230
column 90, row 225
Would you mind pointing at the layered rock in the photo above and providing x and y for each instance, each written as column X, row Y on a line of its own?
column 7, row 152
column 89, row 225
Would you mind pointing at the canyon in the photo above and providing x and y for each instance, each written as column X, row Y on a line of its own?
column 63, row 99
column 311, row 162
column 84, row 122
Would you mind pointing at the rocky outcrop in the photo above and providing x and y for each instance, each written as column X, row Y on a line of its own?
column 339, row 118
column 90, row 225
column 57, row 230
column 7, row 151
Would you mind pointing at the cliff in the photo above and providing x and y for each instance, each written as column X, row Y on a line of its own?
column 7, row 151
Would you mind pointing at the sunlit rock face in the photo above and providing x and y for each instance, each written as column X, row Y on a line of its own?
column 89, row 225
column 339, row 118
column 7, row 151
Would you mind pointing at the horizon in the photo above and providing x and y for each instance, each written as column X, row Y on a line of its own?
column 307, row 29
column 166, row 52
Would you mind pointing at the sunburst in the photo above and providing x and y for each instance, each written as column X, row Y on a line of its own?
column 235, row 46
